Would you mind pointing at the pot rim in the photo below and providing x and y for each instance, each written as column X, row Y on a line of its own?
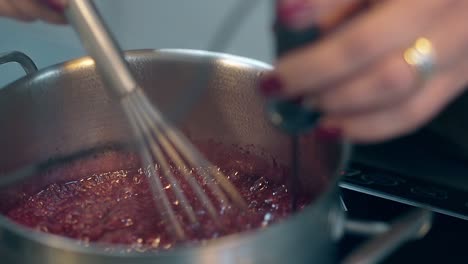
column 229, row 241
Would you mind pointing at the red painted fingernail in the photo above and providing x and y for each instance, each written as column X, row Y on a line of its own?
column 55, row 5
column 288, row 11
column 270, row 85
column 328, row 133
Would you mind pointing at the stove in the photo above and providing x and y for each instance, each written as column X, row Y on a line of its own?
column 445, row 242
column 384, row 181
column 412, row 171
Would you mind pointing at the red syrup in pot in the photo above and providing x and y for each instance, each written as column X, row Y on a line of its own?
column 117, row 207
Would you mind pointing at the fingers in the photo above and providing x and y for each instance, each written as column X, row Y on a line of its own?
column 40, row 11
column 405, row 117
column 31, row 10
column 301, row 14
column 358, row 78
column 378, row 87
column 451, row 37
column 365, row 40
column 7, row 10
column 21, row 12
column 392, row 79
column 50, row 13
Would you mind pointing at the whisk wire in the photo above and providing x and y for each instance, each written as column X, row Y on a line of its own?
column 195, row 157
column 165, row 130
column 156, row 150
column 150, row 171
column 158, row 142
column 196, row 160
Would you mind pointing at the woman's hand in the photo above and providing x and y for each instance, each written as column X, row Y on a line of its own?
column 357, row 75
column 31, row 10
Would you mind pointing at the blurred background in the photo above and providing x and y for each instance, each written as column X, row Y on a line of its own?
column 142, row 24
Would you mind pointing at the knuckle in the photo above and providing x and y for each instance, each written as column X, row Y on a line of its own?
column 395, row 78
column 359, row 46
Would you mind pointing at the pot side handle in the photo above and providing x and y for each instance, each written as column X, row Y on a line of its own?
column 387, row 237
column 22, row 59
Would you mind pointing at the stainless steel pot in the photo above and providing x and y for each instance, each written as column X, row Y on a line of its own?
column 63, row 112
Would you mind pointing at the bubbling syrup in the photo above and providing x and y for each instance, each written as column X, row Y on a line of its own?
column 117, row 207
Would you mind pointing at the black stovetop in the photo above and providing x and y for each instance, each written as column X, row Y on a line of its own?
column 414, row 170
column 445, row 242
column 383, row 181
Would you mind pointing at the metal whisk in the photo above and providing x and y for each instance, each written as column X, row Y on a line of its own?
column 160, row 142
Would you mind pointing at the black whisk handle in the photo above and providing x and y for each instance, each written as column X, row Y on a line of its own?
column 291, row 116
column 287, row 40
